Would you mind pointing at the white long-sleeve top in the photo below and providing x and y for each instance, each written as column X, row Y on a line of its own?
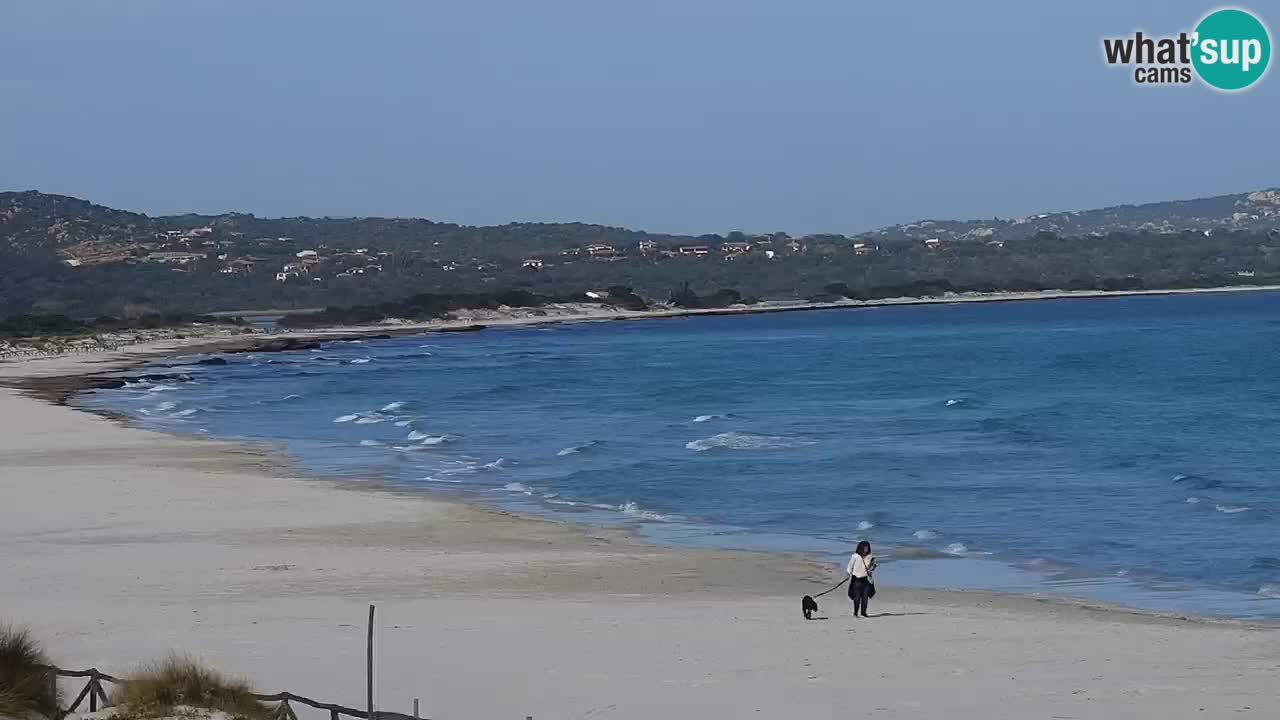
column 859, row 566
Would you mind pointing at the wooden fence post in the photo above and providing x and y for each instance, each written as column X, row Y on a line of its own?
column 415, row 707
column 369, row 664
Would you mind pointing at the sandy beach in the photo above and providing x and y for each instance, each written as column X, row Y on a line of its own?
column 119, row 545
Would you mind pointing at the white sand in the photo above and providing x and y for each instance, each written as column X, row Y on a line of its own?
column 119, row 545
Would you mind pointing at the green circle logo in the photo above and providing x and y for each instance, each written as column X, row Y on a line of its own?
column 1232, row 49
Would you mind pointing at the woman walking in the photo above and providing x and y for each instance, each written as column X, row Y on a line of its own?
column 861, row 565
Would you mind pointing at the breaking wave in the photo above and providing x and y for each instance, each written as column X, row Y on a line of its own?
column 632, row 510
column 746, row 441
column 575, row 449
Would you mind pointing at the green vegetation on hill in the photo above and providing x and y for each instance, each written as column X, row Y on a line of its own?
column 66, row 256
column 30, row 326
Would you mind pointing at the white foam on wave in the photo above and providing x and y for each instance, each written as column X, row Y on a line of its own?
column 184, row 413
column 1270, row 591
column 956, row 549
column 708, row 418
column 370, row 443
column 632, row 510
column 347, row 418
column 361, row 361
column 955, row 401
column 165, row 406
column 403, row 423
column 416, row 435
column 498, row 464
column 746, row 441
column 1193, row 500
column 866, row 525
column 516, row 487
column 392, row 407
column 434, row 479
column 1231, row 509
column 925, row 534
column 162, row 388
column 371, row 419
column 435, row 440
column 575, row 449
column 459, row 467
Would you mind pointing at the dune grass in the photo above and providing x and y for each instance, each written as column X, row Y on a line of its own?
column 25, row 690
column 179, row 681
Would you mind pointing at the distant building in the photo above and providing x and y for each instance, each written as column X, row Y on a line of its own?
column 693, row 250
column 180, row 258
column 532, row 264
column 861, row 248
column 647, row 246
column 306, row 254
column 932, row 243
column 284, row 276
column 601, row 250
column 736, row 248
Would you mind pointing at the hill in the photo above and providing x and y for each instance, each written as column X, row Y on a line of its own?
column 66, row 255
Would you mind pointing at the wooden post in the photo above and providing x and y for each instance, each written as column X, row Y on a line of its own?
column 93, row 694
column 369, row 666
column 415, row 707
column 53, row 683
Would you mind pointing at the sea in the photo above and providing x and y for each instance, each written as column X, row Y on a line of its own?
column 1122, row 450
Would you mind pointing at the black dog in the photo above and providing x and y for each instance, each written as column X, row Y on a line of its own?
column 808, row 606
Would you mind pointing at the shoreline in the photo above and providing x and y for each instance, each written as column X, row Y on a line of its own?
column 120, row 544
column 58, row 389
column 472, row 320
column 57, row 386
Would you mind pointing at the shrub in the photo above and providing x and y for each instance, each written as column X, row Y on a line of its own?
column 156, row 690
column 25, row 689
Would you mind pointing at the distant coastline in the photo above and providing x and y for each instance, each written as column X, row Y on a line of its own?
column 189, row 341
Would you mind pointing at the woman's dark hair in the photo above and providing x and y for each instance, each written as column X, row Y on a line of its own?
column 863, row 549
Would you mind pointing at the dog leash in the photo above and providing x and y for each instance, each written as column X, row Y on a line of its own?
column 833, row 587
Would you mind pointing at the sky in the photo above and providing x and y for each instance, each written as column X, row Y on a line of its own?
column 665, row 115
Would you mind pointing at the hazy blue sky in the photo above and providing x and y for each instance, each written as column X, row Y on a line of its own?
column 669, row 115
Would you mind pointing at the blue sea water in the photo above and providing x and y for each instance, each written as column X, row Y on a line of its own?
column 1124, row 450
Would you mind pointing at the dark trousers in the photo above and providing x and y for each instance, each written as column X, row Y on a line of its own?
column 859, row 588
